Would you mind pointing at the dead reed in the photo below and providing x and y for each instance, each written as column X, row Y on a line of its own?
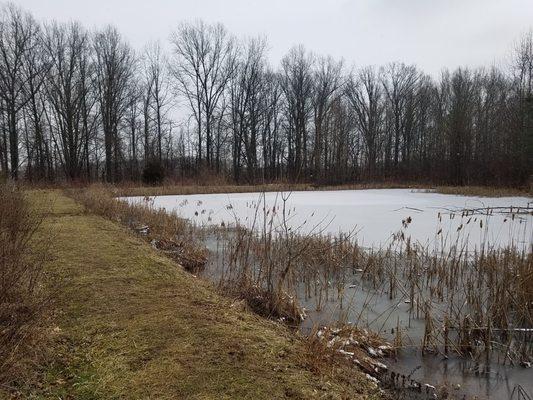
column 477, row 304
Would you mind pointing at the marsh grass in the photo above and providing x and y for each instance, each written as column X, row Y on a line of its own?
column 477, row 304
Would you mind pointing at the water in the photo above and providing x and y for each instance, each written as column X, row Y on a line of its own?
column 368, row 308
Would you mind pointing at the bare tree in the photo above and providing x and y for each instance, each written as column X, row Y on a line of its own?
column 203, row 63
column 157, row 91
column 72, row 102
column 461, row 87
column 67, row 47
column 328, row 81
column 133, row 123
column 297, row 84
column 19, row 38
column 399, row 83
column 114, row 68
column 248, row 107
column 365, row 95
column 38, row 155
column 524, row 76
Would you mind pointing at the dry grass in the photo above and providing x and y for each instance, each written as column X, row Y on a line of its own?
column 23, row 300
column 184, row 189
column 132, row 325
column 485, row 191
column 266, row 268
column 133, row 190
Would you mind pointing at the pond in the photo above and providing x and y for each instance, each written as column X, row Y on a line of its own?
column 438, row 223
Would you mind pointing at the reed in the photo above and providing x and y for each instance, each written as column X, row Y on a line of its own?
column 471, row 303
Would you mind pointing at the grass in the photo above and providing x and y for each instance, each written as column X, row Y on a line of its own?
column 129, row 323
column 127, row 190
column 165, row 230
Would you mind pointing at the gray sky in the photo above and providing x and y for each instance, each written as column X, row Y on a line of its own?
column 430, row 33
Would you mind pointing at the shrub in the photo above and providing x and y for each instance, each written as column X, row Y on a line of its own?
column 21, row 296
column 153, row 173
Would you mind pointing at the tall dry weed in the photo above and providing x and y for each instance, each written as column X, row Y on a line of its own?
column 23, row 300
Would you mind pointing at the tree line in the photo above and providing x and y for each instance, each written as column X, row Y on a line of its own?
column 82, row 105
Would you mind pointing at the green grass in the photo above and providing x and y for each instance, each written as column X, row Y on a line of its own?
column 128, row 323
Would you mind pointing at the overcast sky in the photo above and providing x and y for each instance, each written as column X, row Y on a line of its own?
column 430, row 33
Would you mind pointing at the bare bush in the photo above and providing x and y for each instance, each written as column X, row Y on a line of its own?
column 22, row 298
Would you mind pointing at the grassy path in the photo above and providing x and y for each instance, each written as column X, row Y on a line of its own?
column 131, row 324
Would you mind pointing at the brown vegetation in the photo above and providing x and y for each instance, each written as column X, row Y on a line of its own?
column 476, row 304
column 191, row 187
column 23, row 299
column 270, row 269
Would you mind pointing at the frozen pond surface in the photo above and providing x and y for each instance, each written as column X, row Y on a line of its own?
column 372, row 215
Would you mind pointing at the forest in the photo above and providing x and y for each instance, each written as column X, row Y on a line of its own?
column 80, row 105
